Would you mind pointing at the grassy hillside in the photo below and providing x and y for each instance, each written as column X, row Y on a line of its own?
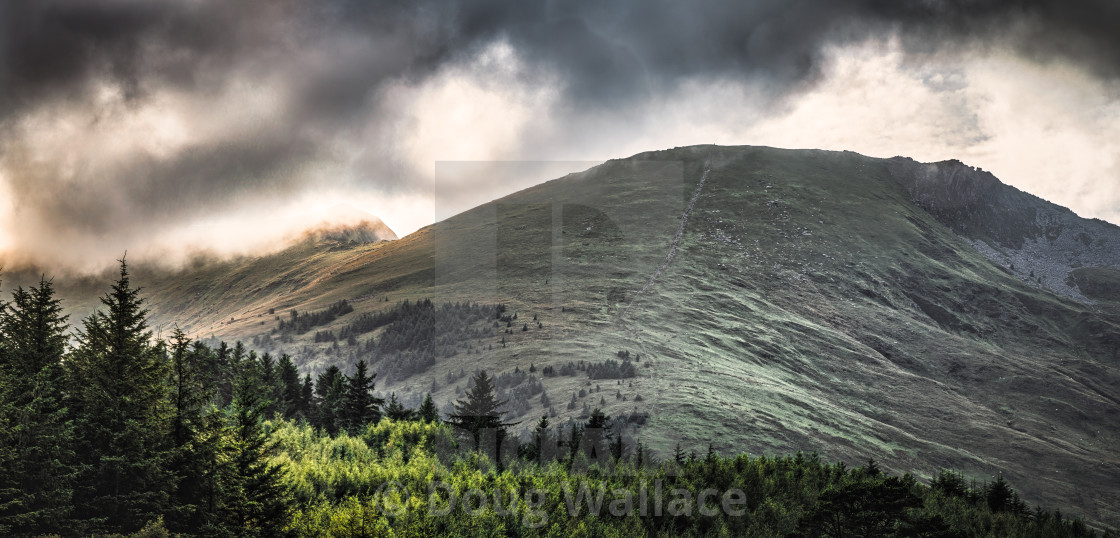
column 800, row 300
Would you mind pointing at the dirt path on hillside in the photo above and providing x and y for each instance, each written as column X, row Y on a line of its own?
column 676, row 239
column 655, row 379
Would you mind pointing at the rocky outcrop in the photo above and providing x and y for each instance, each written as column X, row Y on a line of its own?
column 1037, row 241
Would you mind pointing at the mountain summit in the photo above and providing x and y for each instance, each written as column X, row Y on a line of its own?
column 345, row 224
column 924, row 315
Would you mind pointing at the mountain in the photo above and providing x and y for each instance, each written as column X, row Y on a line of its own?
column 768, row 300
column 347, row 225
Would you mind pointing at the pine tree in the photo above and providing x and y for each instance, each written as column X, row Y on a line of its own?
column 10, row 492
column 118, row 383
column 34, row 328
column 359, row 406
column 290, row 385
column 998, row 495
column 256, row 498
column 330, row 393
column 270, row 385
column 597, row 435
column 224, row 373
column 481, row 410
column 540, row 438
column 188, row 396
column 38, row 466
column 212, row 454
column 307, row 399
column 575, row 437
column 427, row 411
column 395, row 410
column 191, row 446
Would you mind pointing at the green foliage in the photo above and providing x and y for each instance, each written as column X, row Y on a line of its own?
column 290, row 400
column 481, row 411
column 416, row 333
column 427, row 411
column 612, row 369
column 189, row 401
column 330, row 396
column 38, row 465
column 118, row 388
column 257, row 497
column 302, row 322
column 395, row 410
column 347, row 486
column 359, row 406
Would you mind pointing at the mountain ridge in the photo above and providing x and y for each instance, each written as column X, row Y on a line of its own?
column 813, row 303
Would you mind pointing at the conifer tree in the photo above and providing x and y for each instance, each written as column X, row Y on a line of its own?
column 224, row 370
column 118, row 383
column 34, row 329
column 596, row 435
column 192, row 445
column 307, row 399
column 212, row 455
column 291, row 389
column 188, row 396
column 255, row 497
column 481, row 410
column 38, row 469
column 359, row 406
column 395, row 410
column 427, row 411
column 540, row 437
column 330, row 394
column 10, row 493
column 271, row 390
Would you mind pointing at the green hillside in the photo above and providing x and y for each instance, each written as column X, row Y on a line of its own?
column 798, row 300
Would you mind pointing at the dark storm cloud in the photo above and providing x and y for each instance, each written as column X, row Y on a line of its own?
column 52, row 49
column 334, row 56
column 227, row 171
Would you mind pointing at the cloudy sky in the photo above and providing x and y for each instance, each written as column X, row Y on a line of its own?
column 162, row 127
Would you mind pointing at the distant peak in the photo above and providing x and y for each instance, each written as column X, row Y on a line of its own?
column 346, row 224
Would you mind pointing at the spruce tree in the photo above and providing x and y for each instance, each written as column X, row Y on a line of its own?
column 40, row 466
column 212, row 454
column 224, row 373
column 34, row 329
column 540, row 438
column 359, row 406
column 395, row 410
column 192, row 445
column 306, row 405
column 330, row 394
column 118, row 384
column 291, row 389
column 255, row 499
column 427, row 411
column 272, row 391
column 481, row 410
column 10, row 492
column 188, row 396
column 596, row 435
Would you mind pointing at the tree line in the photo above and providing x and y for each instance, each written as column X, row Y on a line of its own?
column 123, row 429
